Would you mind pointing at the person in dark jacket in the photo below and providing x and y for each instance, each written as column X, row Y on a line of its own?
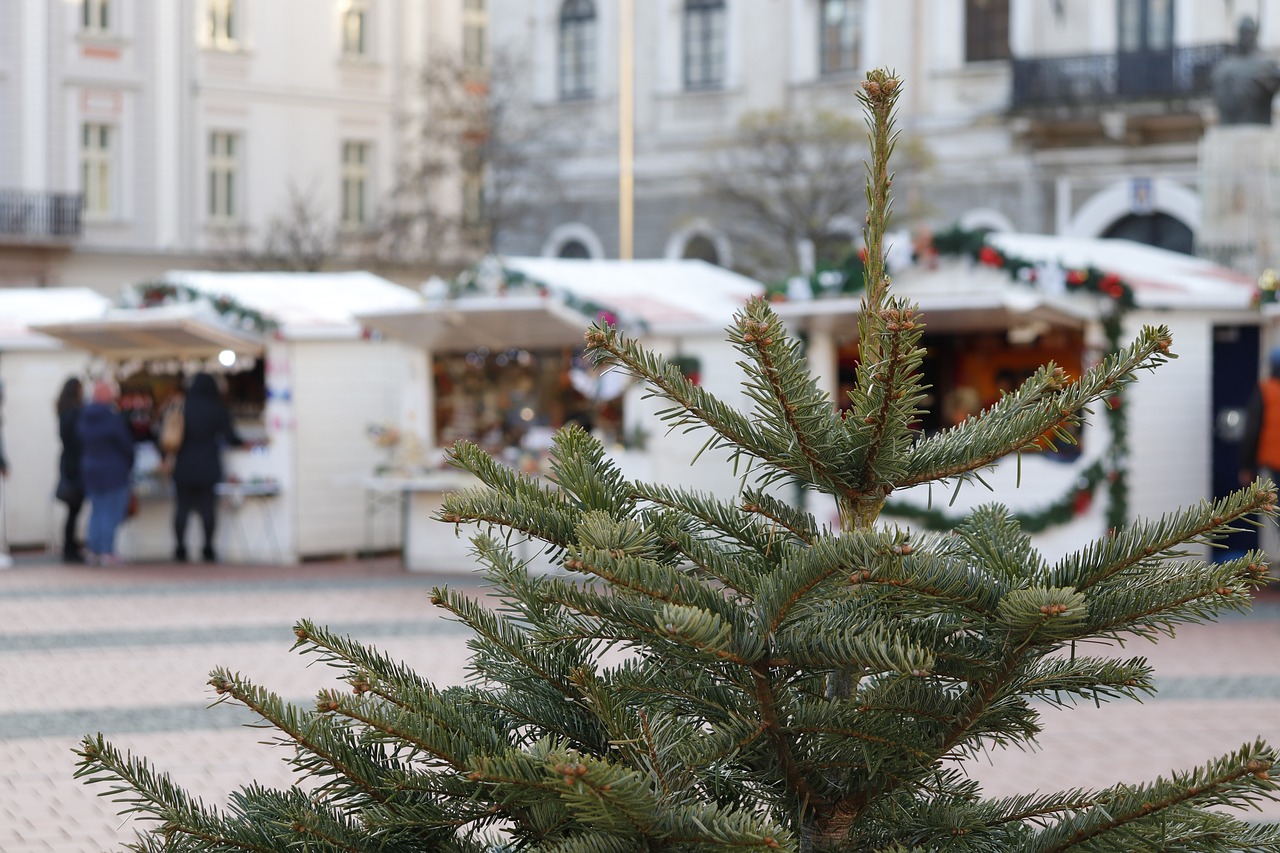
column 197, row 467
column 106, row 469
column 70, row 485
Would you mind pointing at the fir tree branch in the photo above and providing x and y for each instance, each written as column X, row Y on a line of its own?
column 156, row 798
column 1019, row 420
column 1218, row 782
column 801, row 791
column 724, row 519
column 1150, row 601
column 582, row 470
column 693, row 405
column 311, row 734
column 1140, row 541
column 882, row 414
column 783, row 390
column 503, row 635
column 878, row 96
column 797, row 522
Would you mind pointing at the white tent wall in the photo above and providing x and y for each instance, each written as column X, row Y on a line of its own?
column 671, row 453
column 32, row 379
column 340, row 388
column 1170, row 413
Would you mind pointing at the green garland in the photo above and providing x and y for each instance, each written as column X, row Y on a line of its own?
column 151, row 294
column 849, row 278
column 1061, row 511
column 472, row 282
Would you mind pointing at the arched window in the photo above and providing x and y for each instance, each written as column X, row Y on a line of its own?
column 1154, row 229
column 704, row 44
column 577, row 54
column 573, row 249
column 700, row 247
column 838, row 33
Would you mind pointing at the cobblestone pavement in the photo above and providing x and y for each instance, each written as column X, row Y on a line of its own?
column 126, row 651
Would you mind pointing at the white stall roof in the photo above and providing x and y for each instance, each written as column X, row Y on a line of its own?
column 191, row 330
column 24, row 307
column 305, row 304
column 667, row 295
column 959, row 295
column 556, row 304
column 1159, row 278
column 954, row 296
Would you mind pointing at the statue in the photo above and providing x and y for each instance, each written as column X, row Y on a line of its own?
column 1244, row 83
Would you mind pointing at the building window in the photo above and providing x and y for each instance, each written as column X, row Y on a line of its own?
column 224, row 162
column 838, row 36
column 574, row 249
column 355, row 184
column 475, row 27
column 96, row 155
column 355, row 28
column 577, row 57
column 1144, row 25
column 700, row 247
column 96, row 16
column 986, row 30
column 223, row 24
column 704, row 44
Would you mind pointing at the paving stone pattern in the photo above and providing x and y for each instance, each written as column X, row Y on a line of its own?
column 126, row 651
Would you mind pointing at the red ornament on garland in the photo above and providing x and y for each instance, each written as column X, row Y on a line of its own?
column 1081, row 502
column 991, row 257
column 1077, row 277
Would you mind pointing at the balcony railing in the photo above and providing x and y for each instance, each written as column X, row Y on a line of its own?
column 1102, row 79
column 40, row 216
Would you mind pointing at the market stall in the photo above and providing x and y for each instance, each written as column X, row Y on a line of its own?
column 307, row 389
column 33, row 367
column 1021, row 300
column 504, row 346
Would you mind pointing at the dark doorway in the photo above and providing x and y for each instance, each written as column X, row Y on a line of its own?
column 1235, row 376
column 1154, row 229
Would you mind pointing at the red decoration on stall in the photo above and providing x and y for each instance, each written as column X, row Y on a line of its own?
column 1083, row 500
column 1077, row 277
column 991, row 257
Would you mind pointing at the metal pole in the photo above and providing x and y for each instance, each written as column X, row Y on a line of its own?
column 626, row 129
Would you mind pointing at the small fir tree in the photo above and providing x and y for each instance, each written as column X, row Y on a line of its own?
column 716, row 673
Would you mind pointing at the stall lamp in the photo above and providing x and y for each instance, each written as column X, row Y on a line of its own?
column 226, row 358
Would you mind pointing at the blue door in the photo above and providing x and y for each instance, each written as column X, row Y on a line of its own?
column 1235, row 376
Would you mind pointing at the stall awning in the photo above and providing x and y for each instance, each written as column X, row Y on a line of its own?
column 466, row 324
column 958, row 314
column 153, row 333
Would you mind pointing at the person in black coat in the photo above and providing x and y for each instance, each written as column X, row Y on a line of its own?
column 70, row 484
column 197, row 466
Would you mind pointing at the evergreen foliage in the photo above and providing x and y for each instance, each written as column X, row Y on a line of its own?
column 724, row 672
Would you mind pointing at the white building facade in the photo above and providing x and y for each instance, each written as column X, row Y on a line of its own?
column 138, row 135
column 1076, row 117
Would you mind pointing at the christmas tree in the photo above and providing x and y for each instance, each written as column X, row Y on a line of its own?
column 723, row 672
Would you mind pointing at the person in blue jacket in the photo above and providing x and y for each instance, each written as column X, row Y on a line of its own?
column 106, row 468
column 197, row 467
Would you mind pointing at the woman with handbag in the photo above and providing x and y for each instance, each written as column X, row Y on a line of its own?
column 106, row 470
column 70, row 489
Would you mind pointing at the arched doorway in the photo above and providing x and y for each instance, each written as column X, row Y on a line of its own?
column 1154, row 229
